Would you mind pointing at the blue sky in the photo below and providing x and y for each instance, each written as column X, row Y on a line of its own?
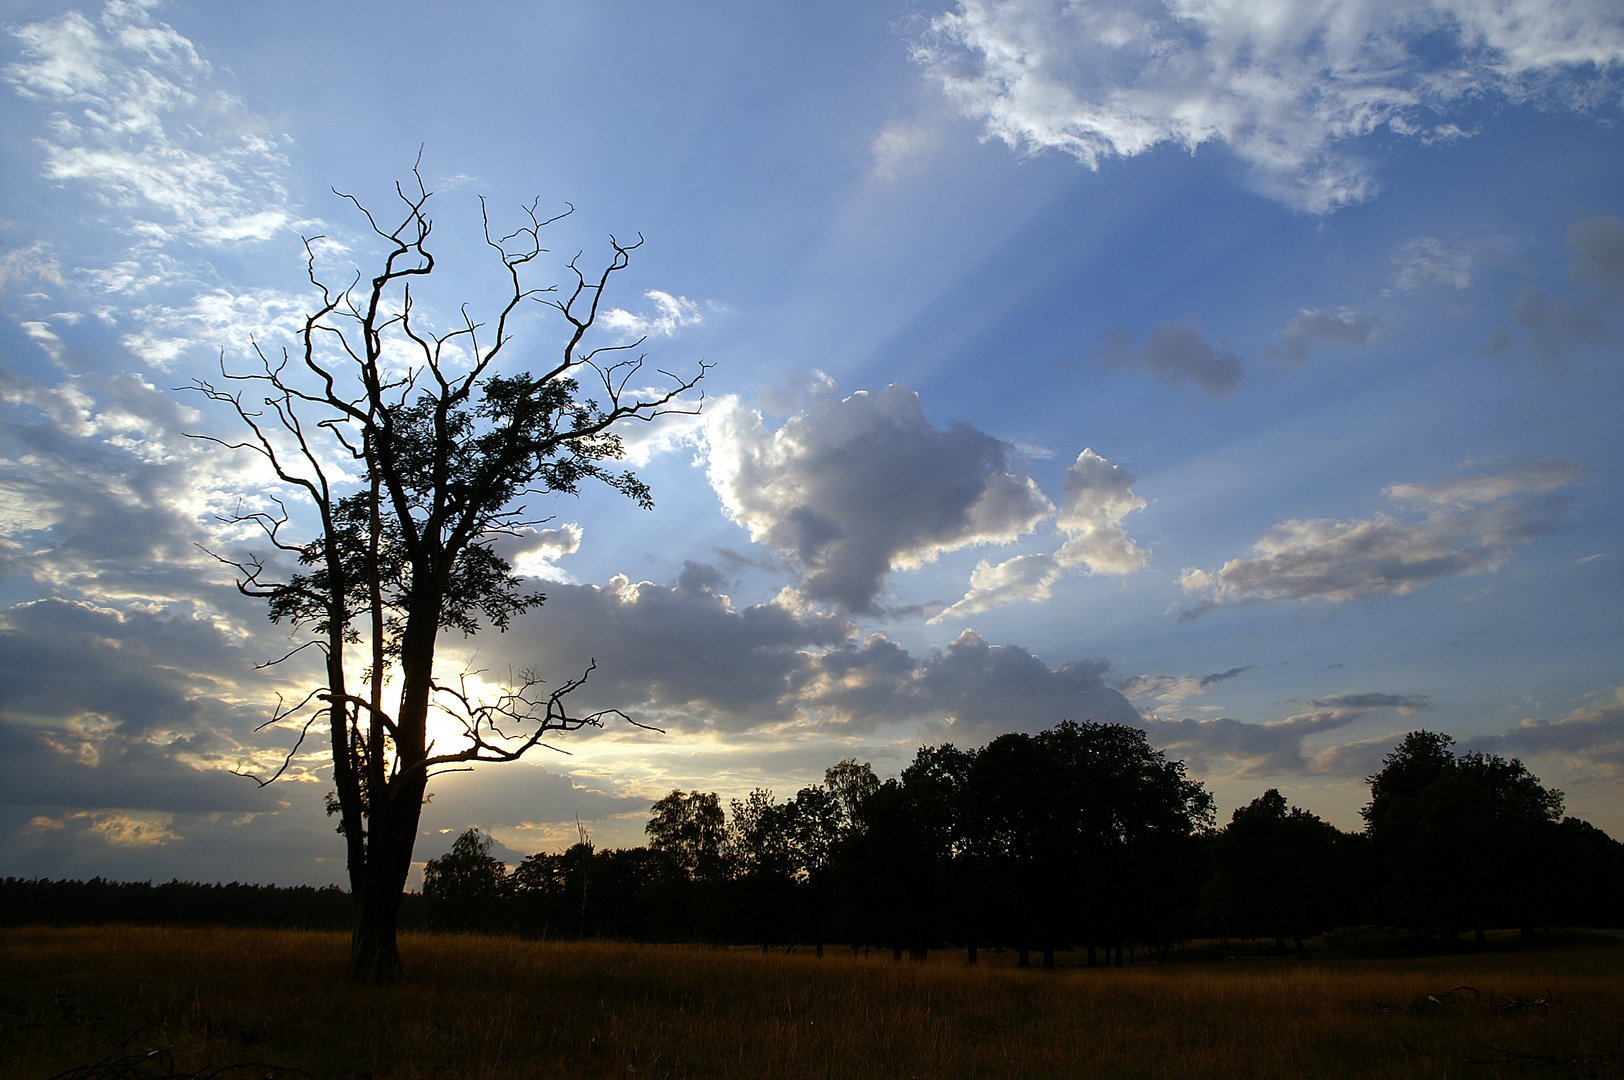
column 1245, row 371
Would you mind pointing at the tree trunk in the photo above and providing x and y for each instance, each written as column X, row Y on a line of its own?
column 374, row 955
column 1048, row 956
column 972, row 951
column 1092, row 957
column 1023, row 958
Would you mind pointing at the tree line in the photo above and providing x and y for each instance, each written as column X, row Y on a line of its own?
column 1079, row 837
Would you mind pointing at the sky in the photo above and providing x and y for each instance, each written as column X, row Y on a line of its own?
column 1248, row 371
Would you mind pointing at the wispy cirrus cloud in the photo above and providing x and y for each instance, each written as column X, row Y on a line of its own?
column 1288, row 87
column 139, row 122
column 670, row 314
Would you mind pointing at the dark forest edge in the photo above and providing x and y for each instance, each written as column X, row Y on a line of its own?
column 1080, row 837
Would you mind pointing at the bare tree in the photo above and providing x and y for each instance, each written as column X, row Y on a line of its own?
column 415, row 453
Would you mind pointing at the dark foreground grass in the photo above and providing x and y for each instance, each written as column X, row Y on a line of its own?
column 500, row 1007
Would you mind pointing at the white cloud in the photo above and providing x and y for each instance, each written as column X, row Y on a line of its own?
column 216, row 320
column 851, row 489
column 1471, row 526
column 671, row 313
column 537, row 552
column 141, row 124
column 35, row 263
column 1094, row 498
column 1287, row 85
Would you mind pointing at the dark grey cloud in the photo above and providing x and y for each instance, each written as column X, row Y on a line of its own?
column 686, row 659
column 1470, row 524
column 1590, row 738
column 1344, row 327
column 1174, row 353
column 700, row 577
column 980, row 689
column 1555, row 326
column 135, row 671
column 851, row 489
column 1598, row 252
column 47, row 768
column 1274, row 748
column 1225, row 676
column 1404, row 703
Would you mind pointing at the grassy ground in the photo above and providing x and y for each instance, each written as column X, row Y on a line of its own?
column 499, row 1007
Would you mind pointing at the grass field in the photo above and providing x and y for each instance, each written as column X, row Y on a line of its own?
column 502, row 1007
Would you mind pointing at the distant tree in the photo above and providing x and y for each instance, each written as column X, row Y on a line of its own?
column 415, row 451
column 1457, row 837
column 466, row 886
column 1277, row 872
column 765, row 864
column 850, row 784
column 1085, row 832
column 895, row 870
column 690, row 829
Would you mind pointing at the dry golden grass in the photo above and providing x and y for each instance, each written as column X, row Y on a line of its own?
column 498, row 1007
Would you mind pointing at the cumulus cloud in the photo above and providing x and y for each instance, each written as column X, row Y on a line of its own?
column 1174, row 353
column 851, row 489
column 1287, row 87
column 1342, row 327
column 1094, row 498
column 1469, row 525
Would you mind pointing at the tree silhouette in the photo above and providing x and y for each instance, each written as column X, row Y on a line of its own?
column 1277, row 872
column 689, row 828
column 1458, row 836
column 444, row 449
column 465, row 887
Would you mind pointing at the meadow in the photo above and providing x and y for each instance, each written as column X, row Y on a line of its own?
column 481, row 1007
